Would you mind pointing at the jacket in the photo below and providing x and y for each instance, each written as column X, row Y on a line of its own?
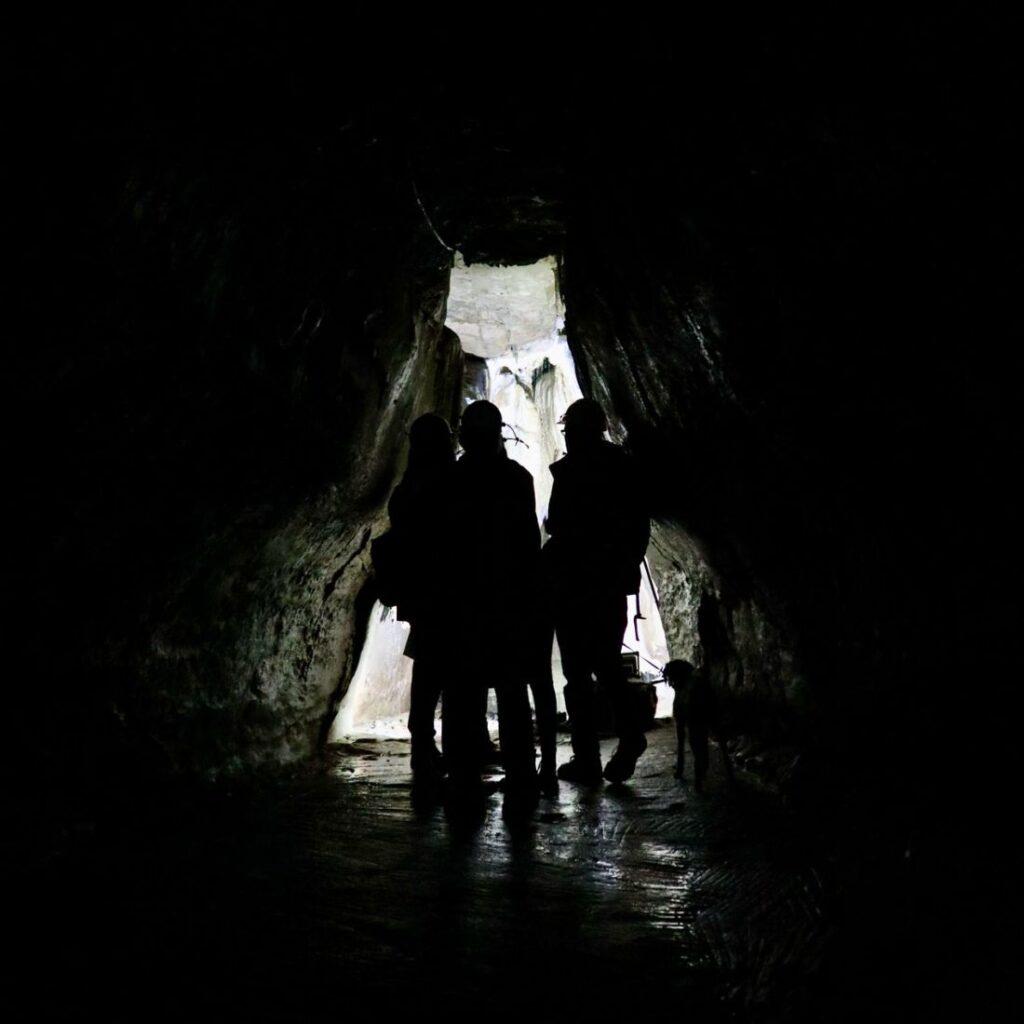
column 598, row 525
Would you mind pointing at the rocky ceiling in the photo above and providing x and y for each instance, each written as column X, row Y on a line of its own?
column 786, row 251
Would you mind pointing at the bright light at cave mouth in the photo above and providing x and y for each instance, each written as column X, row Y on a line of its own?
column 513, row 320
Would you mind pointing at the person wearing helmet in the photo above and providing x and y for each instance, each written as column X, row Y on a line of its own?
column 497, row 544
column 598, row 537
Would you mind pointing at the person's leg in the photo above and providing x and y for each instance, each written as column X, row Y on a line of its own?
column 460, row 735
column 571, row 629
column 546, row 710
column 426, row 693
column 515, row 734
column 542, row 686
column 609, row 625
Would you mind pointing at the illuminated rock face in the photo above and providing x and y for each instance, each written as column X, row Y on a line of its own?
column 250, row 650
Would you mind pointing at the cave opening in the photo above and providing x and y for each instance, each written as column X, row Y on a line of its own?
column 511, row 324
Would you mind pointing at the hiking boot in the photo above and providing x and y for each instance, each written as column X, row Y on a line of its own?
column 427, row 762
column 623, row 762
column 490, row 755
column 548, row 777
column 582, row 772
column 520, row 799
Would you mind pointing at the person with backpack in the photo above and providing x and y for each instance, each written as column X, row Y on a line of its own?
column 418, row 570
column 598, row 531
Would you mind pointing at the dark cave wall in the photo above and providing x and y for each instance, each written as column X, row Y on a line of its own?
column 230, row 312
column 789, row 297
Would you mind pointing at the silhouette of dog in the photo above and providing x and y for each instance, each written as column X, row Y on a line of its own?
column 695, row 710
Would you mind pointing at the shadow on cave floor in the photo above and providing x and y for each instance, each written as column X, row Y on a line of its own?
column 297, row 900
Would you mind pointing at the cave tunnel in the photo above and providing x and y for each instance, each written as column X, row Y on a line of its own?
column 788, row 253
column 510, row 323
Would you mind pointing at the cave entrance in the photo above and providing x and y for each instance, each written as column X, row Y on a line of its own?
column 511, row 324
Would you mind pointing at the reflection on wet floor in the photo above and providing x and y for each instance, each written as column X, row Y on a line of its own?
column 337, row 885
column 690, row 893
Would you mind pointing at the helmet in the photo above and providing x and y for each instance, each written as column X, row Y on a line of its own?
column 480, row 426
column 430, row 442
column 585, row 417
column 430, row 430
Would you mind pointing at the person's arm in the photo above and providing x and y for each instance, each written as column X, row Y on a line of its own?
column 638, row 519
column 398, row 506
column 526, row 513
column 553, row 520
column 626, row 522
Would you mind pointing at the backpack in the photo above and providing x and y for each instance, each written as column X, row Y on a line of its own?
column 390, row 567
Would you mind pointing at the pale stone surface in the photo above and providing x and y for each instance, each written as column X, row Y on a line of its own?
column 494, row 309
column 251, row 652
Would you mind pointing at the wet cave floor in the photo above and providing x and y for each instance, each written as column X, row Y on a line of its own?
column 335, row 891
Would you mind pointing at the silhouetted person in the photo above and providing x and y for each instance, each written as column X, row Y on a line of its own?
column 419, row 510
column 599, row 532
column 695, row 710
column 494, row 565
